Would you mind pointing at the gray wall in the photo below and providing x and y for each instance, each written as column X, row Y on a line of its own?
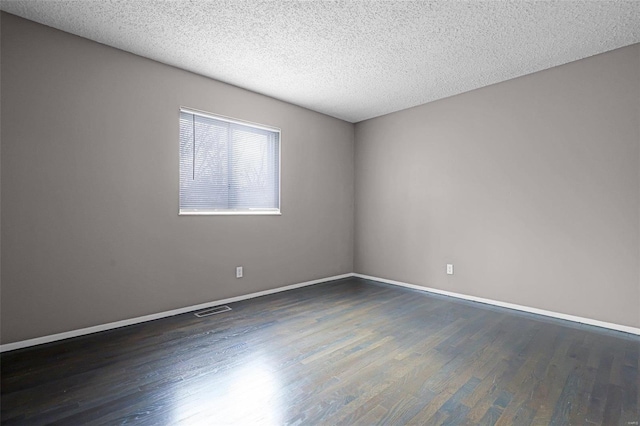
column 531, row 188
column 90, row 226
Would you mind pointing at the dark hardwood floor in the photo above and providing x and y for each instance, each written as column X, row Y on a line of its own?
column 346, row 352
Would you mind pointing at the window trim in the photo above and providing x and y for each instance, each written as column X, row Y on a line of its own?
column 236, row 212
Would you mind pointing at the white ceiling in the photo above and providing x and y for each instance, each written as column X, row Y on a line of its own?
column 350, row 59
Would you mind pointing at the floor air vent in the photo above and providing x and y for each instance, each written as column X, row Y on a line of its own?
column 212, row 311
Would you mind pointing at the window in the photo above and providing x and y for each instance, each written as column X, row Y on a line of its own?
column 227, row 166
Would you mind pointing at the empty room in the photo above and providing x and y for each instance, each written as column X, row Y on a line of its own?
column 319, row 212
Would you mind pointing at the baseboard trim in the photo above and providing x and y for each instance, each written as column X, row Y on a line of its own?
column 581, row 320
column 123, row 323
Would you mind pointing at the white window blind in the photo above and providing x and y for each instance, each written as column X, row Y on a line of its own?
column 227, row 166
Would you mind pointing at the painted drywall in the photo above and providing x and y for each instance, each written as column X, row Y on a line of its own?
column 530, row 187
column 90, row 225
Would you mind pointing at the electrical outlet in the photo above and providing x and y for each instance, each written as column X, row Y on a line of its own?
column 239, row 272
column 449, row 269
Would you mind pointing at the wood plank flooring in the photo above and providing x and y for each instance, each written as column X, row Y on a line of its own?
column 349, row 352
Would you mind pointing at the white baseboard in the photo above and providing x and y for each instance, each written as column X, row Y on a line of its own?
column 145, row 318
column 589, row 321
column 137, row 320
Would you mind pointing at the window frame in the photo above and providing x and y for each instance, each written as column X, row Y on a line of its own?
column 233, row 212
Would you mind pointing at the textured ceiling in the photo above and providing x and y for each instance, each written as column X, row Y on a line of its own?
column 350, row 59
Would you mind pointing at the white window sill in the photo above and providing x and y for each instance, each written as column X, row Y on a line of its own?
column 229, row 213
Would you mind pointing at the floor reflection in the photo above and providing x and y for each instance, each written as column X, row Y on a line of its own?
column 246, row 392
